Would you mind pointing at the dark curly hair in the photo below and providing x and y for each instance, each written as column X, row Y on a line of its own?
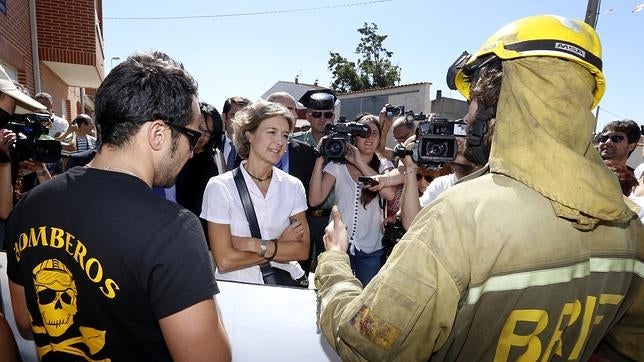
column 143, row 88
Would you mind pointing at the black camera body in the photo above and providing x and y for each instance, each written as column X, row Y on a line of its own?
column 394, row 111
column 29, row 128
column 435, row 140
column 334, row 146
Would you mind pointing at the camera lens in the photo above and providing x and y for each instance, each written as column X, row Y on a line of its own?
column 436, row 149
column 335, row 148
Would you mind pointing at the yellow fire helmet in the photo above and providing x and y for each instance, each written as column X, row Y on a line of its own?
column 541, row 35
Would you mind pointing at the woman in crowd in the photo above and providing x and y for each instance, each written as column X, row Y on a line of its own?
column 261, row 137
column 361, row 206
column 191, row 181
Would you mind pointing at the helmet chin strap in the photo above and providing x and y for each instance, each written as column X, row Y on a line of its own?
column 479, row 151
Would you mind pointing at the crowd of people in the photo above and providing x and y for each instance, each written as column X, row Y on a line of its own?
column 500, row 236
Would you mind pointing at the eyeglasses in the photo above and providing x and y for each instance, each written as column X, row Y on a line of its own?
column 616, row 138
column 192, row 135
column 426, row 177
column 319, row 114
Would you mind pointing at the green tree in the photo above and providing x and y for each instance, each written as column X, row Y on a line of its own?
column 373, row 69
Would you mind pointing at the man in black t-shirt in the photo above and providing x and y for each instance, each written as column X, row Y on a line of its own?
column 127, row 276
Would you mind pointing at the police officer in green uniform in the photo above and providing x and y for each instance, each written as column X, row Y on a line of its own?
column 320, row 104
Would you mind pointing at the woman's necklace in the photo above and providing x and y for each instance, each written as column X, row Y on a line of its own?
column 257, row 178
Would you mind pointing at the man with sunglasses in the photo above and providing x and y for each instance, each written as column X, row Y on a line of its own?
column 617, row 141
column 320, row 105
column 128, row 276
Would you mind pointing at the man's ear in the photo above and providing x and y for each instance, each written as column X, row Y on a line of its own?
column 157, row 134
column 631, row 147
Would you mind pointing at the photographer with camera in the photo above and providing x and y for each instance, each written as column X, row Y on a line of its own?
column 320, row 111
column 10, row 96
column 360, row 203
column 393, row 117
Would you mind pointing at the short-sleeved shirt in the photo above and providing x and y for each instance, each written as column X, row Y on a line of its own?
column 436, row 187
column 98, row 278
column 364, row 223
column 59, row 126
column 222, row 205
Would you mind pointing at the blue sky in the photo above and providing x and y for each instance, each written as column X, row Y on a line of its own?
column 245, row 55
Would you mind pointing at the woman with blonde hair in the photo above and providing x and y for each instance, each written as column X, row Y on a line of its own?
column 278, row 200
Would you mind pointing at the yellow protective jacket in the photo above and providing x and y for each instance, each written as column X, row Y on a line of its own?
column 537, row 260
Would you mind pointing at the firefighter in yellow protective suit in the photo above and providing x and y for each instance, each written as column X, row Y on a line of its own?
column 541, row 258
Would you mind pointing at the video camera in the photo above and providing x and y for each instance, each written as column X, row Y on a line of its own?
column 393, row 111
column 32, row 141
column 334, row 146
column 435, row 140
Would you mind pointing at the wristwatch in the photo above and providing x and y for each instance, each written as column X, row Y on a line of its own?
column 263, row 247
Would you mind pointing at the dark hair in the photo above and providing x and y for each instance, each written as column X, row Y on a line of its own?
column 82, row 119
column 627, row 127
column 208, row 110
column 485, row 88
column 486, row 84
column 236, row 100
column 143, row 88
column 374, row 163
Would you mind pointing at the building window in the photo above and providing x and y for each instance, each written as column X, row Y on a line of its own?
column 3, row 6
column 11, row 72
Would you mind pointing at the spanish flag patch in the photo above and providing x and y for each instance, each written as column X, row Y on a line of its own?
column 373, row 328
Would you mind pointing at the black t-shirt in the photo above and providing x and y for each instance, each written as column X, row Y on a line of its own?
column 102, row 259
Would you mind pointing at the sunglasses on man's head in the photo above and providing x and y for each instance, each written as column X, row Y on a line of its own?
column 426, row 177
column 319, row 114
column 616, row 138
column 192, row 135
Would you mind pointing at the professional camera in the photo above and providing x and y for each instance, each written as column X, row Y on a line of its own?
column 32, row 141
column 435, row 140
column 393, row 111
column 334, row 146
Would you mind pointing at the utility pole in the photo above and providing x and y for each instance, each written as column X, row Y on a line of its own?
column 592, row 12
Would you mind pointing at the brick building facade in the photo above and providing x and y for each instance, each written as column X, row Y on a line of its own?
column 65, row 39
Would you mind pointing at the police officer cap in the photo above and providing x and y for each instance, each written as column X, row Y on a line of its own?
column 320, row 99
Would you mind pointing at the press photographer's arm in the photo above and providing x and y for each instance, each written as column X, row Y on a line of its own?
column 321, row 183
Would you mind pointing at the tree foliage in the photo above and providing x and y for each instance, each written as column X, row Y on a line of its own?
column 373, row 69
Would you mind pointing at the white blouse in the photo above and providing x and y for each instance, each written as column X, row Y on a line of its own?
column 364, row 225
column 285, row 198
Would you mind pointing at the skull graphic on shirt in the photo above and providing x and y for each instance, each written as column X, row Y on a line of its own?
column 56, row 292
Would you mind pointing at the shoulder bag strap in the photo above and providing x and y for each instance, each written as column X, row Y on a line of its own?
column 247, row 203
column 267, row 271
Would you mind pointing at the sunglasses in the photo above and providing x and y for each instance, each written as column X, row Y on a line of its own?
column 616, row 138
column 319, row 114
column 426, row 177
column 192, row 135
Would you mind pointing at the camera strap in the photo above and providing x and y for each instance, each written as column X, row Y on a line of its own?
column 267, row 271
column 478, row 129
